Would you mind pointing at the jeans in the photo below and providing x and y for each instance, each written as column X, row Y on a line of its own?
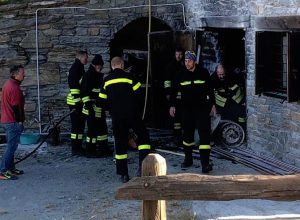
column 13, row 132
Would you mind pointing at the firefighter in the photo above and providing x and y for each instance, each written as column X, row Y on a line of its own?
column 197, row 100
column 173, row 70
column 121, row 95
column 229, row 96
column 75, row 103
column 96, row 138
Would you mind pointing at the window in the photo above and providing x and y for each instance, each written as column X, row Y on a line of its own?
column 277, row 67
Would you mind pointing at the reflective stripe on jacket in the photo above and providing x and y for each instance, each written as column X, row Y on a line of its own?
column 74, row 80
column 121, row 94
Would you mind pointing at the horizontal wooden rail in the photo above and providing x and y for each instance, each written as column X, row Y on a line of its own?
column 204, row 187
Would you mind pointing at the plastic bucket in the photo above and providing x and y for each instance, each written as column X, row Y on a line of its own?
column 29, row 138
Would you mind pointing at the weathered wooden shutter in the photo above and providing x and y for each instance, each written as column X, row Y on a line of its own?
column 294, row 67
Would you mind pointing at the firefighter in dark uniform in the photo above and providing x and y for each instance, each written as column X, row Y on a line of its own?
column 121, row 94
column 96, row 138
column 197, row 100
column 173, row 70
column 74, row 101
column 229, row 96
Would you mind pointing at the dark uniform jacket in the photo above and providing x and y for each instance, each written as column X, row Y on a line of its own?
column 227, row 90
column 74, row 79
column 196, row 90
column 121, row 95
column 91, row 84
column 173, row 71
column 90, row 89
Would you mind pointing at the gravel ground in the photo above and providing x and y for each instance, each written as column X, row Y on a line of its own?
column 58, row 186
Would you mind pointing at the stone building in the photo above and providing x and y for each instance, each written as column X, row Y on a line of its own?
column 258, row 37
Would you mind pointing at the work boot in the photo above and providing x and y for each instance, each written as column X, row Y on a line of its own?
column 186, row 163
column 105, row 151
column 7, row 175
column 77, row 149
column 92, row 154
column 16, row 171
column 207, row 168
column 91, row 151
column 124, row 178
column 188, row 159
column 204, row 157
column 178, row 138
column 78, row 152
column 178, row 143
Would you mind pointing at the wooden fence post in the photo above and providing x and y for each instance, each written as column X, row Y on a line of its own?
column 154, row 165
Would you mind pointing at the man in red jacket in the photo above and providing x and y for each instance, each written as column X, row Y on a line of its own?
column 12, row 118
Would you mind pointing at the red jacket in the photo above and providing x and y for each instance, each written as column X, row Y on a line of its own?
column 12, row 102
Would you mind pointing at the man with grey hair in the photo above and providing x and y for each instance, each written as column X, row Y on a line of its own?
column 12, row 118
column 229, row 95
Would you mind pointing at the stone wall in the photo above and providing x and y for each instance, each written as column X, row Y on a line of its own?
column 62, row 31
column 273, row 126
column 206, row 8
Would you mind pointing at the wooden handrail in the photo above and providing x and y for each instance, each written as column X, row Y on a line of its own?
column 203, row 187
column 154, row 187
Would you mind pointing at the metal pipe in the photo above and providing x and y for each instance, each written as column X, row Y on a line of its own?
column 247, row 162
column 285, row 169
column 148, row 60
column 37, row 71
column 241, row 162
column 89, row 9
column 258, row 165
column 257, row 168
column 269, row 159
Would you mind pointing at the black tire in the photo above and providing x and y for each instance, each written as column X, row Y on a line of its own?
column 229, row 134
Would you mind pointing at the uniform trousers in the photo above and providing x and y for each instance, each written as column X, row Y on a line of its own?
column 121, row 128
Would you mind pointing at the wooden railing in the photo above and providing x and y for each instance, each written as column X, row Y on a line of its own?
column 154, row 187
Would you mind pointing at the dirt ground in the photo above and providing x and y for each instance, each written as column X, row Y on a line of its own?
column 59, row 186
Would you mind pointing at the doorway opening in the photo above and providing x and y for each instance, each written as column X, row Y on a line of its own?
column 226, row 46
column 131, row 44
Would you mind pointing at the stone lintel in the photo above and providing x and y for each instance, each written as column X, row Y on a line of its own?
column 225, row 21
column 277, row 23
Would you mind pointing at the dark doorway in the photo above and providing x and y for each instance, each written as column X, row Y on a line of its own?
column 232, row 46
column 222, row 45
column 131, row 43
column 226, row 46
column 161, row 54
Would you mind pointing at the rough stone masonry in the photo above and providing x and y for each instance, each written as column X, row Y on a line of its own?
column 271, row 125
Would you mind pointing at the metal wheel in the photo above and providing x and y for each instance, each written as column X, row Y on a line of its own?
column 230, row 134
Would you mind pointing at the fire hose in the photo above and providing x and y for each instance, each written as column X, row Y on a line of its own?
column 46, row 137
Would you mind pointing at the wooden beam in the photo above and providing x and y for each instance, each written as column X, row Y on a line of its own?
column 204, row 187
